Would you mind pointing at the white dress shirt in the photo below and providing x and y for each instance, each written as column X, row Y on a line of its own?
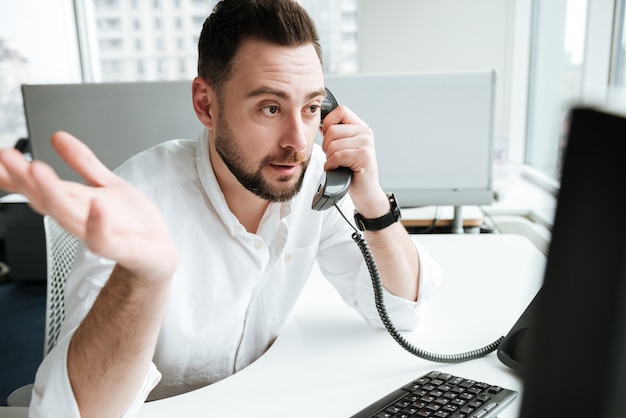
column 232, row 290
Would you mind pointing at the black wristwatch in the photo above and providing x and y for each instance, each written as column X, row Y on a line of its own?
column 379, row 223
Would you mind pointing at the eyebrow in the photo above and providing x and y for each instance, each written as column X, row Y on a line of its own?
column 281, row 94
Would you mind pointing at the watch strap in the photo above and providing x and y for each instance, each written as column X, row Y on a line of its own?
column 381, row 222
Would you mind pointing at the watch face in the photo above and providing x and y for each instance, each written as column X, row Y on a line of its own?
column 395, row 208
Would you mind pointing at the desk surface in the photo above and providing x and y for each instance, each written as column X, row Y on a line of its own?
column 328, row 362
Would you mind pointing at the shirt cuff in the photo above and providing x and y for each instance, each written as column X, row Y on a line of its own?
column 152, row 379
column 53, row 395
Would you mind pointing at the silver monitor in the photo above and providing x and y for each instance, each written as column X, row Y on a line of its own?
column 433, row 132
column 116, row 120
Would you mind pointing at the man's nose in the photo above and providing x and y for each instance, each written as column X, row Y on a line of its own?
column 295, row 131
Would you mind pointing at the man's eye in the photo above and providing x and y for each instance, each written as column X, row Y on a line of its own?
column 270, row 110
column 313, row 109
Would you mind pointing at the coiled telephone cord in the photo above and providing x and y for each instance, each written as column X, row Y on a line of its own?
column 391, row 329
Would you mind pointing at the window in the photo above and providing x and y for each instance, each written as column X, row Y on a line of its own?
column 336, row 21
column 13, row 72
column 106, row 4
column 114, row 44
column 117, row 42
column 161, row 67
column 24, row 58
column 556, row 79
column 618, row 71
column 618, row 56
column 111, row 67
column 560, row 57
column 198, row 21
column 109, row 24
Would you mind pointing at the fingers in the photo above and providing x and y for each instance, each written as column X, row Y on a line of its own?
column 349, row 143
column 81, row 159
column 6, row 180
column 68, row 202
column 15, row 173
column 32, row 180
column 342, row 123
column 46, row 193
column 341, row 115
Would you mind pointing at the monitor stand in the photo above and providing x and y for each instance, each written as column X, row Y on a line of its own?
column 457, row 220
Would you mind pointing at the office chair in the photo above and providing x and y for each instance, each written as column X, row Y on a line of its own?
column 60, row 251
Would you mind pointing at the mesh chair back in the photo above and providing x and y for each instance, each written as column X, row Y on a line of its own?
column 60, row 251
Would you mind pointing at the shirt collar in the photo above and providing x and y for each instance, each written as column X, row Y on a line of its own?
column 214, row 193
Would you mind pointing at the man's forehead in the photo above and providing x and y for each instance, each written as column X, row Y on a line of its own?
column 254, row 56
column 264, row 68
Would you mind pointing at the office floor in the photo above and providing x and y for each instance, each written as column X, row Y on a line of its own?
column 22, row 312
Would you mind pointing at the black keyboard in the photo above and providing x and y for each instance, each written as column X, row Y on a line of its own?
column 441, row 395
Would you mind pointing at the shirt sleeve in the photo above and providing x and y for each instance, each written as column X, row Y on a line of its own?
column 342, row 263
column 53, row 394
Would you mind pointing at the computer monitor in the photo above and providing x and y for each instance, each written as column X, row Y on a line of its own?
column 433, row 132
column 116, row 120
column 577, row 357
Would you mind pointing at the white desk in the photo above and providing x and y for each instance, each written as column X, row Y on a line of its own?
column 328, row 363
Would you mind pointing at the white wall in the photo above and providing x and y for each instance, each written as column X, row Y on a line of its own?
column 442, row 35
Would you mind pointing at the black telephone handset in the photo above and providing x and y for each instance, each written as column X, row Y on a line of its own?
column 334, row 184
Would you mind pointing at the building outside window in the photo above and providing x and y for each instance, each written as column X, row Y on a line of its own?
column 336, row 22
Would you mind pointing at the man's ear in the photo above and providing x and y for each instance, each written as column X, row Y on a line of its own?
column 204, row 104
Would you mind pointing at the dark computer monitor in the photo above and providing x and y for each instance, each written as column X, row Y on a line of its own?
column 576, row 365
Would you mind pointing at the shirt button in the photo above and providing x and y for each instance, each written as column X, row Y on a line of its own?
column 288, row 257
column 238, row 229
column 258, row 245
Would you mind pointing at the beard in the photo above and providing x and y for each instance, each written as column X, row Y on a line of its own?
column 233, row 155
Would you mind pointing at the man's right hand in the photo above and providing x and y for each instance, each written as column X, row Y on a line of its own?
column 110, row 216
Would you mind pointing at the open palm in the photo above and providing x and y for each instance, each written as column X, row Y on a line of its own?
column 113, row 218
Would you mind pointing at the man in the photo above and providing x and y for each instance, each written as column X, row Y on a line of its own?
column 196, row 251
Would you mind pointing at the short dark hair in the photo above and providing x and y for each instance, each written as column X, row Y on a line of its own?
column 280, row 22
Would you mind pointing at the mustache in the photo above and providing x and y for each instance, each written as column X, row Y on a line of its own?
column 287, row 158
